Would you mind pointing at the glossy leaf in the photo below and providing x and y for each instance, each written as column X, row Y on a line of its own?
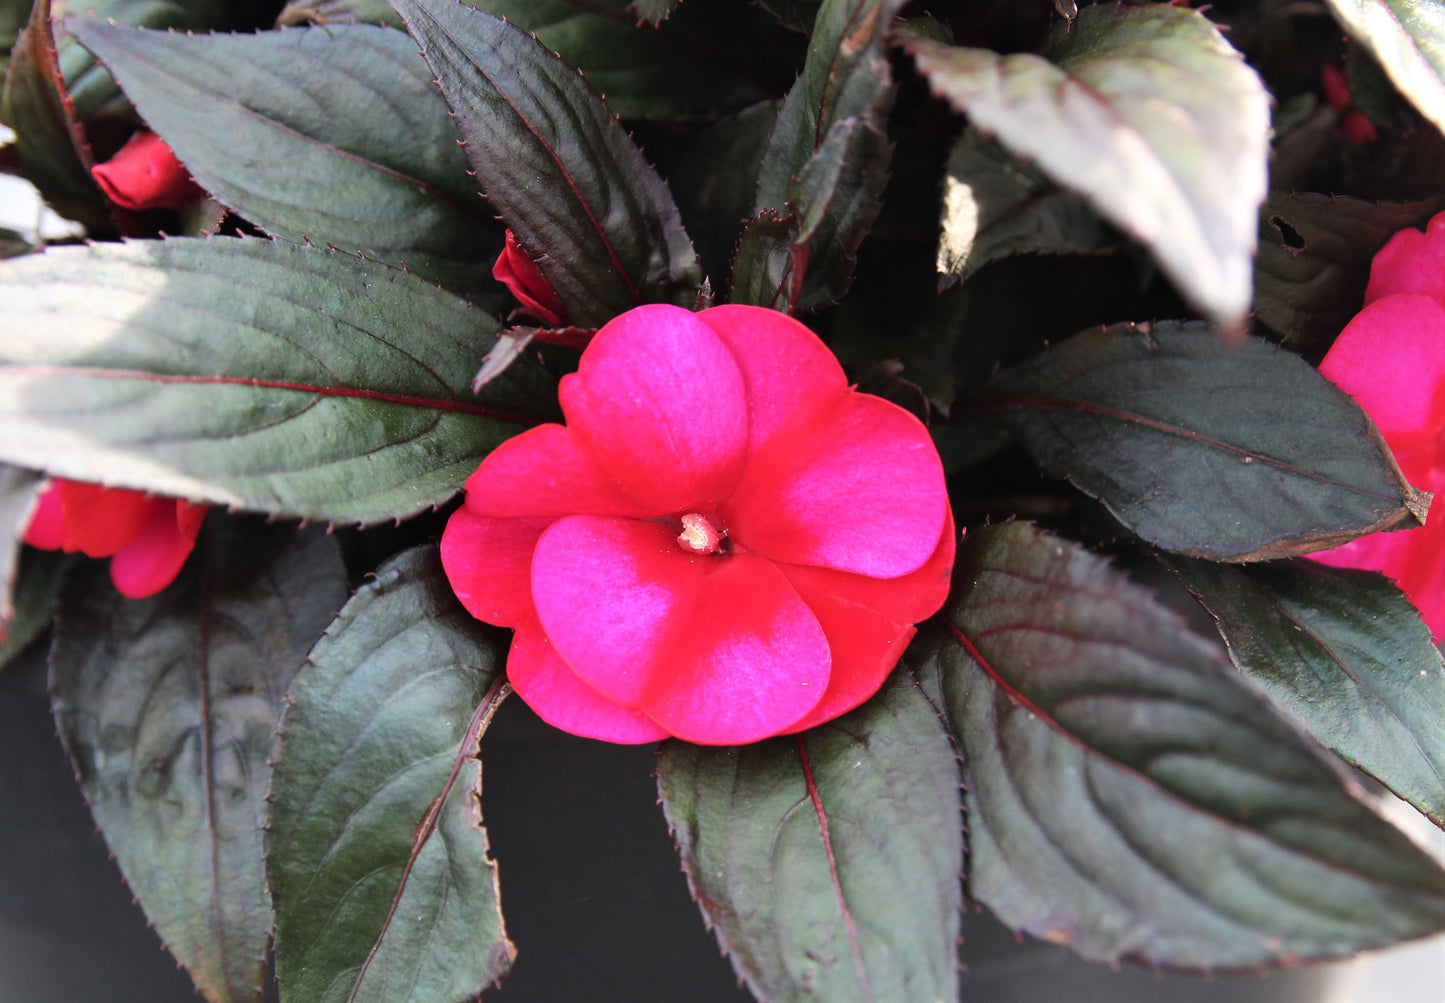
column 48, row 137
column 1346, row 655
column 557, row 166
column 1230, row 449
column 19, row 490
column 168, row 707
column 291, row 380
column 1407, row 38
column 376, row 853
column 827, row 863
column 995, row 206
column 1150, row 115
column 1314, row 260
column 39, row 578
column 368, row 162
column 1129, row 796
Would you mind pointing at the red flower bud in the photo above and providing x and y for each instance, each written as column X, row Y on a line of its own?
column 521, row 275
column 145, row 174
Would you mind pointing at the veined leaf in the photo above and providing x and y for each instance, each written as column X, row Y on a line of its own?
column 1231, row 449
column 1407, row 38
column 827, row 862
column 168, row 707
column 1130, row 797
column 1150, row 115
column 368, row 162
column 557, row 166
column 1346, row 655
column 375, row 849
column 287, row 379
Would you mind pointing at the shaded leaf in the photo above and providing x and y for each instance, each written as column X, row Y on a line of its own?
column 168, row 706
column 1407, row 38
column 1230, row 449
column 1346, row 654
column 287, row 379
column 570, row 183
column 48, row 137
column 1314, row 260
column 40, row 576
column 1150, row 115
column 796, row 14
column 827, row 862
column 375, row 848
column 1132, row 798
column 995, row 206
column 19, row 490
column 13, row 15
column 328, row 12
column 653, row 11
column 368, row 162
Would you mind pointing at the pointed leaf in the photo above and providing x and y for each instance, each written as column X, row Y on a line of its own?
column 557, row 166
column 1150, row 115
column 1314, row 260
column 995, row 206
column 168, row 706
column 827, row 862
column 1230, row 449
column 39, row 578
column 1407, row 38
column 1130, row 797
column 1346, row 655
column 19, row 490
column 368, row 162
column 291, row 380
column 375, row 848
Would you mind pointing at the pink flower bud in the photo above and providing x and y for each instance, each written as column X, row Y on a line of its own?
column 515, row 270
column 145, row 174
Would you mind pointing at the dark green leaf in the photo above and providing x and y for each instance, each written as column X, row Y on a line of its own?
column 1314, row 260
column 48, row 137
column 13, row 15
column 995, row 206
column 1150, row 115
column 1216, row 447
column 763, row 267
column 168, row 707
column 827, row 862
column 368, row 162
column 557, row 166
column 796, row 14
column 375, row 848
column 19, row 489
column 1407, row 37
column 1346, row 654
column 653, row 11
column 287, row 379
column 1128, row 795
column 41, row 574
column 338, row 12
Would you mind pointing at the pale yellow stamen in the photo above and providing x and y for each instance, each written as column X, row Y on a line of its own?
column 699, row 535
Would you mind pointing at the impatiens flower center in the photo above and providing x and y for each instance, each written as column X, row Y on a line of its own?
column 699, row 535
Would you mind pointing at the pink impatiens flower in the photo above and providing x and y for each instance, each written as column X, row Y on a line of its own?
column 146, row 538
column 145, row 174
column 1391, row 359
column 725, row 541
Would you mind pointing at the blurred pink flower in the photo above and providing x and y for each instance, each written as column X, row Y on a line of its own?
column 145, row 174
column 146, row 538
column 519, row 273
column 1391, row 359
column 724, row 542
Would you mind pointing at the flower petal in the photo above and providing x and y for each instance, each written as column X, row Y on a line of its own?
column 613, row 595
column 864, row 494
column 151, row 562
column 99, row 521
column 659, row 401
column 546, row 472
column 489, row 564
column 1414, row 558
column 752, row 661
column 516, row 270
column 790, row 377
column 47, row 523
column 1411, row 262
column 543, row 680
column 1391, row 359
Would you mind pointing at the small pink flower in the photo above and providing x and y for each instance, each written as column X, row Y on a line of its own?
column 1391, row 359
column 147, row 539
column 1354, row 126
column 145, row 174
column 725, row 541
column 519, row 273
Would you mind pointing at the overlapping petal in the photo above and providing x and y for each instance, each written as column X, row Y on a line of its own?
column 1410, row 262
column 489, row 563
column 152, row 560
column 546, row 472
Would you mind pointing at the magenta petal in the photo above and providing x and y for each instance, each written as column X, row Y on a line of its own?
column 564, row 701
column 489, row 564
column 612, row 595
column 149, row 563
column 545, row 472
column 752, row 661
column 865, row 494
column 659, row 402
column 1411, row 262
column 790, row 376
column 1414, row 559
column 47, row 523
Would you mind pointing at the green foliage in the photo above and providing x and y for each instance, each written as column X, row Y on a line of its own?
column 1407, row 37
column 39, row 577
column 827, row 863
column 19, row 490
